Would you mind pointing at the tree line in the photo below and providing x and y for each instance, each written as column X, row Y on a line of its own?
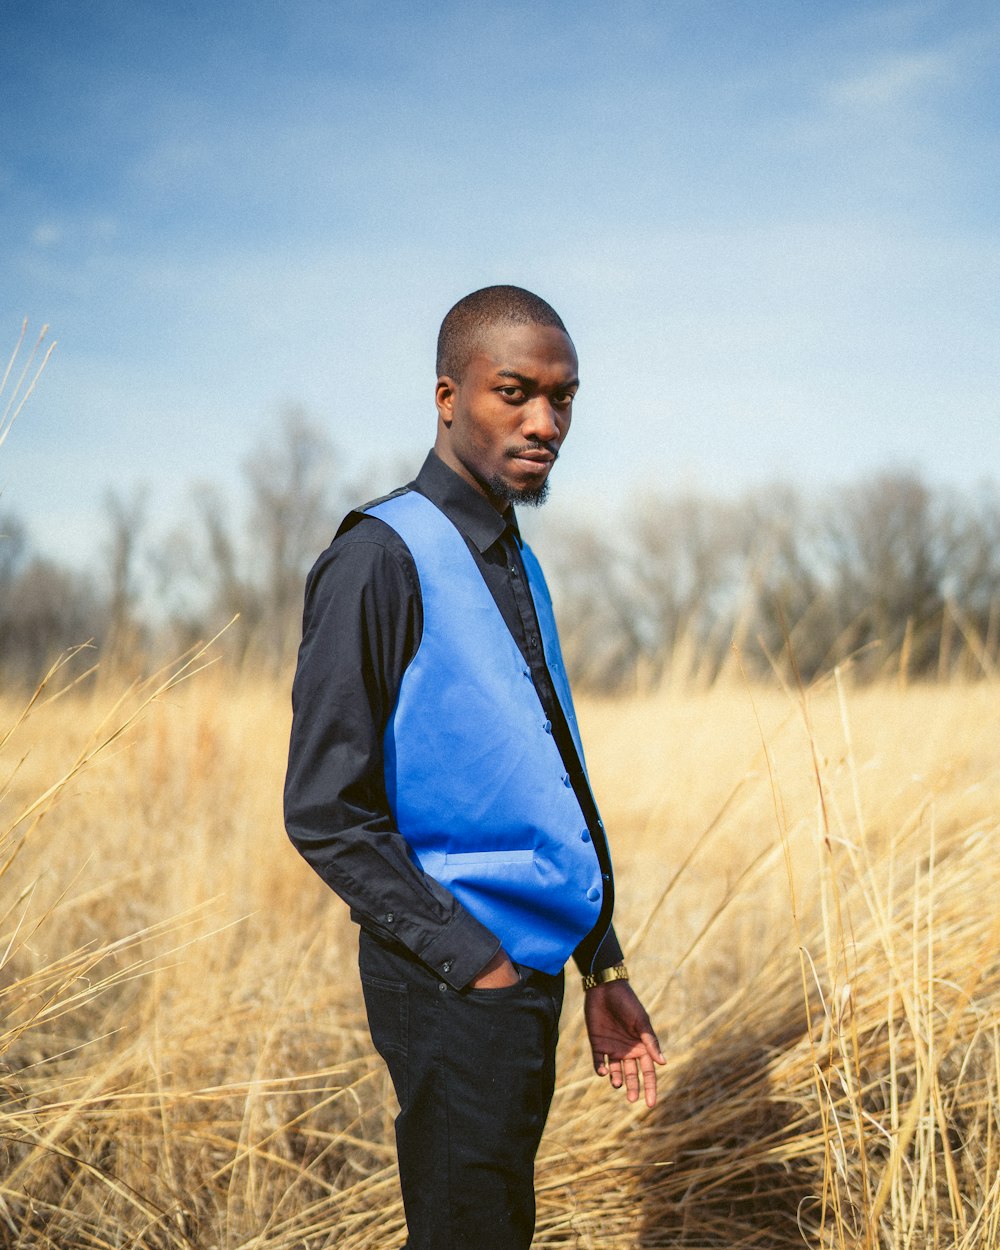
column 888, row 574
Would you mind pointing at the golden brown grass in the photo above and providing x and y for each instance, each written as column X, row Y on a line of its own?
column 17, row 385
column 806, row 886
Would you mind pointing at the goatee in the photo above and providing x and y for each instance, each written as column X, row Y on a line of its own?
column 528, row 496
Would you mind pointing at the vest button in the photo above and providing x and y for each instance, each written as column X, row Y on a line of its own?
column 585, row 835
column 593, row 894
column 389, row 918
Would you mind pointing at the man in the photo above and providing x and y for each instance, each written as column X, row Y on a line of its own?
column 436, row 783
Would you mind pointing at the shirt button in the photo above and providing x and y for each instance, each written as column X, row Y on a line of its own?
column 585, row 835
column 593, row 894
column 526, row 672
column 566, row 780
column 547, row 726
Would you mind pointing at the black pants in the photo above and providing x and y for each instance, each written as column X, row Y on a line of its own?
column 473, row 1072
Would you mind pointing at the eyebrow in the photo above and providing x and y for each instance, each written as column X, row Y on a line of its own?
column 526, row 381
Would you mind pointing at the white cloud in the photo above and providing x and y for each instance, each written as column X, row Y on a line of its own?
column 894, row 80
column 899, row 67
column 172, row 161
column 87, row 231
column 104, row 229
column 47, row 234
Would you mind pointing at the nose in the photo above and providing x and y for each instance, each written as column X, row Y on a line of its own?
column 541, row 421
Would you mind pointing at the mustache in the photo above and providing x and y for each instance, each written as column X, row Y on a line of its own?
column 513, row 452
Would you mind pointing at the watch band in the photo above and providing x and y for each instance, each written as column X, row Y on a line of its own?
column 617, row 972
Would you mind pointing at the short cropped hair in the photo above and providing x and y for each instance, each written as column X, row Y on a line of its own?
column 464, row 326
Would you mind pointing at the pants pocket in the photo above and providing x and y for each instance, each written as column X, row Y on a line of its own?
column 500, row 991
column 387, row 1005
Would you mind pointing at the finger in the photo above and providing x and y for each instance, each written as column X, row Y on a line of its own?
column 648, row 1079
column 631, row 1080
column 616, row 1074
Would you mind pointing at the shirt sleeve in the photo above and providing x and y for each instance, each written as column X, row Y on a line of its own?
column 608, row 953
column 360, row 629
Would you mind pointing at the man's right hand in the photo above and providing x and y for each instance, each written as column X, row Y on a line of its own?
column 497, row 973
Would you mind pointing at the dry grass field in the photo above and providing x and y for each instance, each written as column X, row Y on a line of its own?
column 807, row 892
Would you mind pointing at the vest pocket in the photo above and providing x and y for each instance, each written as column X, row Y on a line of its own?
column 462, row 859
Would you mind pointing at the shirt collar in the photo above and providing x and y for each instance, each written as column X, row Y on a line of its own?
column 469, row 511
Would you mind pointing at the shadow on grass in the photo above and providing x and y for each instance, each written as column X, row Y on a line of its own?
column 722, row 1167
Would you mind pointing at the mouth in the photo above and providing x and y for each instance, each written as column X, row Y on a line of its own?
column 537, row 457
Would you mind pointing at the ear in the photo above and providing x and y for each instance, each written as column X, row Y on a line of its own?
column 444, row 397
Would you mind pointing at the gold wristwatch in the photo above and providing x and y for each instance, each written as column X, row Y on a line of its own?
column 617, row 972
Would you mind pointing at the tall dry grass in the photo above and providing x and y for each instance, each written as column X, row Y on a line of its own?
column 19, row 378
column 806, row 885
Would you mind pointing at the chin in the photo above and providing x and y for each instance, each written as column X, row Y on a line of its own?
column 525, row 496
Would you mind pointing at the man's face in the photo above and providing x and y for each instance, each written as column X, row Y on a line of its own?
column 502, row 425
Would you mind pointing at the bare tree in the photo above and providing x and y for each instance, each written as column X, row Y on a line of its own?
column 44, row 610
column 788, row 617
column 13, row 548
column 292, row 517
column 883, row 572
column 889, row 542
column 972, row 584
column 599, row 626
column 126, row 520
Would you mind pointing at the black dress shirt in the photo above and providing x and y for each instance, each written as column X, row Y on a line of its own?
column 361, row 628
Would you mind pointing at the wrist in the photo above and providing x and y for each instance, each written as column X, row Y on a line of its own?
column 499, row 972
column 617, row 972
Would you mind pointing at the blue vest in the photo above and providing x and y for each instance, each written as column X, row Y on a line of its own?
column 473, row 775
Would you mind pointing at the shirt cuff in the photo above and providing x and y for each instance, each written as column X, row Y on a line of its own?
column 460, row 950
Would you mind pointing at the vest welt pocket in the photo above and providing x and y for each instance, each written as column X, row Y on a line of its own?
column 461, row 859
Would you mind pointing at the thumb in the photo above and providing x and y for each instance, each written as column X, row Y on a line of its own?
column 653, row 1046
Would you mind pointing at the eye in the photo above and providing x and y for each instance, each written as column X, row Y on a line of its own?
column 513, row 393
column 563, row 399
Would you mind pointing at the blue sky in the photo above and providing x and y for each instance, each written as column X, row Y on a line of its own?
column 772, row 230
